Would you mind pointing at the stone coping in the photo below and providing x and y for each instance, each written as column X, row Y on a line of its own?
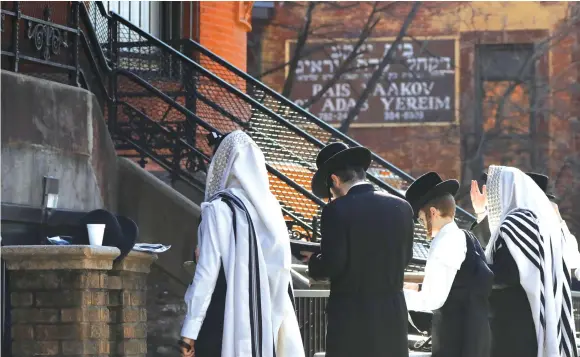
column 86, row 257
column 54, row 257
column 138, row 262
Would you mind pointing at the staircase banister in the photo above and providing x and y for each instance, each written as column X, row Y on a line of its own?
column 297, row 108
column 241, row 95
column 91, row 30
column 188, row 114
column 224, row 84
column 102, row 9
column 316, row 120
column 210, row 128
column 93, row 64
column 165, row 130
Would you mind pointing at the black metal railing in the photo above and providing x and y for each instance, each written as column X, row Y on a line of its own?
column 35, row 42
column 160, row 100
column 229, row 99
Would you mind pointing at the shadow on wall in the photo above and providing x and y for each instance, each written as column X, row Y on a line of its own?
column 52, row 129
column 163, row 216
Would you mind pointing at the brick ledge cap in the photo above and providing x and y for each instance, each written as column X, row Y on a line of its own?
column 55, row 257
column 139, row 262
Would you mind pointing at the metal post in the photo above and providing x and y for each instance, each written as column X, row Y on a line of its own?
column 6, row 315
column 75, row 50
column 174, row 174
column 114, row 51
column 15, row 32
column 189, row 81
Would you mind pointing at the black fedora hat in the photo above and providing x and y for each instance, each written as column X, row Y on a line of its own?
column 483, row 178
column 336, row 156
column 428, row 187
column 120, row 231
column 542, row 181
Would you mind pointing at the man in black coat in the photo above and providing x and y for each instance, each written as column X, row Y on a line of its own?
column 367, row 239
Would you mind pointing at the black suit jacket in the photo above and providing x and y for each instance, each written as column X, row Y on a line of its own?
column 367, row 242
column 481, row 231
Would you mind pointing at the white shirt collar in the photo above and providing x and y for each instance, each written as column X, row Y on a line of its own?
column 448, row 228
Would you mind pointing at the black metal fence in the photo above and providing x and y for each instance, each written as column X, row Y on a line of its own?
column 36, row 42
column 205, row 88
column 162, row 99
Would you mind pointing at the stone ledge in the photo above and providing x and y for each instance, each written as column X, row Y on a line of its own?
column 138, row 262
column 59, row 257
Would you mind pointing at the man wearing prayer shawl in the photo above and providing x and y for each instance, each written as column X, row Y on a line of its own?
column 481, row 226
column 531, row 301
column 244, row 255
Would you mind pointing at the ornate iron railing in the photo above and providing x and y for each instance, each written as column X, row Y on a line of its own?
column 38, row 44
column 160, row 101
column 229, row 99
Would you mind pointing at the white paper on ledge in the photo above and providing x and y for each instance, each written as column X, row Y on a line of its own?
column 151, row 248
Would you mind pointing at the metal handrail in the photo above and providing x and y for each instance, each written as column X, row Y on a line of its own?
column 329, row 128
column 188, row 114
column 191, row 65
column 336, row 133
column 243, row 96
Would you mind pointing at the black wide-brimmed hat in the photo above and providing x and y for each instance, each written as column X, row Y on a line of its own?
column 120, row 231
column 540, row 180
column 334, row 157
column 428, row 187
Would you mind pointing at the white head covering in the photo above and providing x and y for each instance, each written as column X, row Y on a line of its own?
column 509, row 189
column 239, row 163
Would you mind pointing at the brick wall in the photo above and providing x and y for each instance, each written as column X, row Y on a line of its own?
column 223, row 29
column 448, row 148
column 71, row 300
column 62, row 312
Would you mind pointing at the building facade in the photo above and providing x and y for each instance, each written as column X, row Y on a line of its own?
column 470, row 83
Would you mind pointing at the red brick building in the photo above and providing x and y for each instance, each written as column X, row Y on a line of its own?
column 508, row 90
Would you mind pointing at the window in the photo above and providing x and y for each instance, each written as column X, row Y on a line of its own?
column 505, row 105
column 144, row 14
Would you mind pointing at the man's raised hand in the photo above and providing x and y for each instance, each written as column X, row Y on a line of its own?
column 478, row 198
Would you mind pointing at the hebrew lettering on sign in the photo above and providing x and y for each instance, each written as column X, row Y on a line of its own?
column 418, row 84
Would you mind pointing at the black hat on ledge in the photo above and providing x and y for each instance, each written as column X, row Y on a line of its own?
column 333, row 157
column 428, row 187
column 120, row 232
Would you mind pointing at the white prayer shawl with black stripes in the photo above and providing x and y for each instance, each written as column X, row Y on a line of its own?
column 259, row 316
column 521, row 217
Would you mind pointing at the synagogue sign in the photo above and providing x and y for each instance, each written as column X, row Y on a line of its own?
column 417, row 86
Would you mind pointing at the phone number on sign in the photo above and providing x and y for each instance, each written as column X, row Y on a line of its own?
column 418, row 115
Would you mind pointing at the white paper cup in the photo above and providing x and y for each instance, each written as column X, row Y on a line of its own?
column 96, row 233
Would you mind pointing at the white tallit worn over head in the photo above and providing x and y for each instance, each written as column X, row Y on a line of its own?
column 238, row 168
column 521, row 214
